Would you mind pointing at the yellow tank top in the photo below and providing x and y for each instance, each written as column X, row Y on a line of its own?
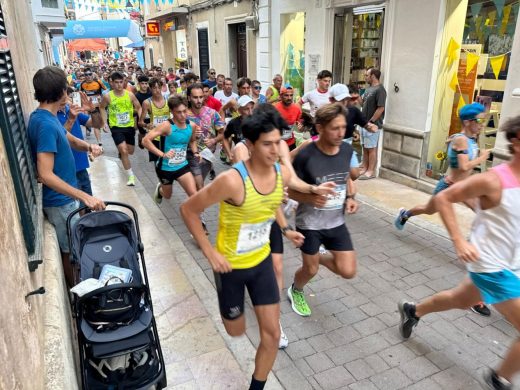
column 159, row 115
column 120, row 110
column 243, row 232
column 274, row 97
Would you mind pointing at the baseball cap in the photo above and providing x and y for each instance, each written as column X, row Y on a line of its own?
column 339, row 92
column 286, row 88
column 470, row 111
column 244, row 100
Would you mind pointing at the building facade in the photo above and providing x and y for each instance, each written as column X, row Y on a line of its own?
column 420, row 46
column 49, row 20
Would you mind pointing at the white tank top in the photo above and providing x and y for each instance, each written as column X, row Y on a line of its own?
column 496, row 231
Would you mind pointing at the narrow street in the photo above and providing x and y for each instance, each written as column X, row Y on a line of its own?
column 351, row 340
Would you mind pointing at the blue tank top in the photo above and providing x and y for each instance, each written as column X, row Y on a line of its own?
column 471, row 151
column 178, row 140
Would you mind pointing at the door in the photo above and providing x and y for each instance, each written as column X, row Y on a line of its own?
column 202, row 37
column 241, row 49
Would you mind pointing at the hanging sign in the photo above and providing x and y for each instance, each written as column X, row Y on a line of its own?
column 182, row 51
column 152, row 29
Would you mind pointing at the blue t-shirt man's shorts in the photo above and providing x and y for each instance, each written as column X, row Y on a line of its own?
column 47, row 135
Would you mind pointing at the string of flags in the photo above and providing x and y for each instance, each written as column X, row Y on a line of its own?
column 96, row 5
column 495, row 21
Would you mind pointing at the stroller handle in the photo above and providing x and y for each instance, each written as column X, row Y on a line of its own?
column 107, row 203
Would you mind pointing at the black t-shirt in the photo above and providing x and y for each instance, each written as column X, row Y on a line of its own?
column 234, row 130
column 315, row 167
column 355, row 117
column 141, row 97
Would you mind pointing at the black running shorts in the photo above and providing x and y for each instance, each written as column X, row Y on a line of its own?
column 276, row 239
column 168, row 177
column 123, row 134
column 260, row 282
column 335, row 239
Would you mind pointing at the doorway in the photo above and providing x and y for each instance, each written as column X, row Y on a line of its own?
column 237, row 50
column 202, row 38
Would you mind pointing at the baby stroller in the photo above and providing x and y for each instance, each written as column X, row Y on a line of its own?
column 118, row 341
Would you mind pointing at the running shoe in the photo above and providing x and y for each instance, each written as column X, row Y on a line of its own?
column 408, row 318
column 131, row 180
column 495, row 382
column 284, row 341
column 157, row 197
column 401, row 219
column 88, row 131
column 212, row 174
column 481, row 309
column 323, row 250
column 298, row 302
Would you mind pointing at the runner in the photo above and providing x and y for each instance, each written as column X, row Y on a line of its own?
column 121, row 106
column 155, row 110
column 249, row 196
column 143, row 94
column 175, row 135
column 321, row 219
column 93, row 89
column 462, row 158
column 491, row 255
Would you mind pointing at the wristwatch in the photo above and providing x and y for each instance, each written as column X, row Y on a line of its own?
column 350, row 196
column 286, row 228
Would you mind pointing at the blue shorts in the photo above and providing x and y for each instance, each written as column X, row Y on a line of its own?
column 370, row 140
column 83, row 180
column 58, row 217
column 496, row 287
column 441, row 186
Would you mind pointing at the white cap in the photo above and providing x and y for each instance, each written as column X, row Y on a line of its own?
column 339, row 92
column 244, row 100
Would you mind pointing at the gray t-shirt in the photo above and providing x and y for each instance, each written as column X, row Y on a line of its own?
column 315, row 167
column 373, row 98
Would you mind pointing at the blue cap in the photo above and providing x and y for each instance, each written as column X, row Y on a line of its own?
column 470, row 111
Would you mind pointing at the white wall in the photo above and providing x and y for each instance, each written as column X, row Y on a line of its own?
column 412, row 61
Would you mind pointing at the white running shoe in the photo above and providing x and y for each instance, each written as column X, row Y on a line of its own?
column 131, row 181
column 157, row 197
column 284, row 341
column 324, row 251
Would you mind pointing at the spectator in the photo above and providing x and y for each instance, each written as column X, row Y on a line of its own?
column 258, row 98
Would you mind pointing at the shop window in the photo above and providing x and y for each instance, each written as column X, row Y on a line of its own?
column 16, row 143
column 480, row 72
column 292, row 51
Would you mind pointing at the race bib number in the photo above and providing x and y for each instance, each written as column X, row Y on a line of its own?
column 95, row 99
column 179, row 156
column 253, row 236
column 159, row 119
column 123, row 118
column 336, row 201
column 287, row 134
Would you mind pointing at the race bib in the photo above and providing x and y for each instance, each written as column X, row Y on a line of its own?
column 336, row 201
column 179, row 156
column 253, row 236
column 207, row 154
column 123, row 118
column 94, row 99
column 287, row 134
column 159, row 119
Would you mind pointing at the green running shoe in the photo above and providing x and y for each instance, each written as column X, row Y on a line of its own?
column 298, row 302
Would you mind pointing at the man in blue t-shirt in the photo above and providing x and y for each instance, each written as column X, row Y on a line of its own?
column 72, row 118
column 51, row 150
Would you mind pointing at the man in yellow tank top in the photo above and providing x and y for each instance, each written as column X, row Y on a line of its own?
column 249, row 196
column 121, row 106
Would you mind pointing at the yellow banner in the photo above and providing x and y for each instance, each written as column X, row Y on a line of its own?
column 471, row 61
column 461, row 104
column 454, row 82
column 452, row 51
column 496, row 64
column 505, row 19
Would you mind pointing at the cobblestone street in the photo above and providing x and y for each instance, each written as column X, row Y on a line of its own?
column 351, row 340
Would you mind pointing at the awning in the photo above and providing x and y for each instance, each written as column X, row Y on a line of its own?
column 87, row 45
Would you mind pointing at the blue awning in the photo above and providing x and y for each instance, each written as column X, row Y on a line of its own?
column 78, row 29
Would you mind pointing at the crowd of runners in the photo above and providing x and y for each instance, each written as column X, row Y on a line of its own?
column 286, row 161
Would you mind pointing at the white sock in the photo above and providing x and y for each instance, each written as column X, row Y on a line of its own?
column 129, row 172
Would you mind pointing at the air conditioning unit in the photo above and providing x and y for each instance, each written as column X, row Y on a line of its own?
column 251, row 22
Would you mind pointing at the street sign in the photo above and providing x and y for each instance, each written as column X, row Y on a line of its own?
column 152, row 29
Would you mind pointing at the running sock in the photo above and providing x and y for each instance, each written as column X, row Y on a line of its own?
column 129, row 172
column 296, row 289
column 256, row 384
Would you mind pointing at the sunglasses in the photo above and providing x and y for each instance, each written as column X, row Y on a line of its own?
column 88, row 74
column 212, row 73
column 478, row 120
column 258, row 88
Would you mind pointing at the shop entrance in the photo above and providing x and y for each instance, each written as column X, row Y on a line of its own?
column 237, row 50
column 474, row 68
column 202, row 37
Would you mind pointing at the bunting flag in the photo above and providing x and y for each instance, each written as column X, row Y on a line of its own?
column 499, row 4
column 454, row 82
column 505, row 19
column 475, row 9
column 496, row 64
column 452, row 51
column 471, row 61
column 461, row 104
column 490, row 21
